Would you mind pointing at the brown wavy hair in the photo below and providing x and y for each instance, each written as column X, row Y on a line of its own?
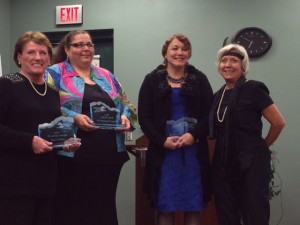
column 35, row 36
column 180, row 37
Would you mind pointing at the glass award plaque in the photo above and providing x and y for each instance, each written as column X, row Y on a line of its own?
column 105, row 117
column 60, row 132
column 179, row 127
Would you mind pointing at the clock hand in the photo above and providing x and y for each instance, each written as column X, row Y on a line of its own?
column 250, row 44
column 247, row 39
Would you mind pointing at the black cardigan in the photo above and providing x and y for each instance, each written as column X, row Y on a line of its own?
column 154, row 109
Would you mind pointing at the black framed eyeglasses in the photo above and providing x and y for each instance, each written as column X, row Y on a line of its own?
column 82, row 45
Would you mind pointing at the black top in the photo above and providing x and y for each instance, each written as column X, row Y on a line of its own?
column 98, row 146
column 154, row 109
column 21, row 111
column 243, row 133
column 253, row 99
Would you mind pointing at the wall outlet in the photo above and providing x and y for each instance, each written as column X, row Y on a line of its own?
column 128, row 136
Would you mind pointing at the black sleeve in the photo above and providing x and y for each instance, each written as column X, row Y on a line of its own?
column 204, row 104
column 146, row 112
column 10, row 138
column 259, row 92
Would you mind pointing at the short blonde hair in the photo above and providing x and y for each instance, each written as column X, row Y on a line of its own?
column 238, row 49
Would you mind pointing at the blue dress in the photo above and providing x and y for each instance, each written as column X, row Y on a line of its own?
column 180, row 182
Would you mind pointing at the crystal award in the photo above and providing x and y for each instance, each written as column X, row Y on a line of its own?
column 60, row 132
column 105, row 117
column 179, row 127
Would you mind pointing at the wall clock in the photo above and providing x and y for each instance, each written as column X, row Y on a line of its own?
column 255, row 40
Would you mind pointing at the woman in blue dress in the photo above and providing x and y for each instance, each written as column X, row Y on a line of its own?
column 174, row 103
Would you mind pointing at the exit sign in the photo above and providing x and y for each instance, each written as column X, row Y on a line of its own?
column 68, row 14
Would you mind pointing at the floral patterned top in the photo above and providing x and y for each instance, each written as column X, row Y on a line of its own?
column 64, row 78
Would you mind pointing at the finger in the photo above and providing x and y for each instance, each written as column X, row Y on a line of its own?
column 88, row 120
column 48, row 143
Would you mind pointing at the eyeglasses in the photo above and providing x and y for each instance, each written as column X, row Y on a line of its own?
column 81, row 45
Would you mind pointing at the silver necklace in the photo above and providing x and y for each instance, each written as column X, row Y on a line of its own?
column 40, row 94
column 219, row 106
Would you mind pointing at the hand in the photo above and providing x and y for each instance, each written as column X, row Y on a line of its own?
column 250, row 42
column 247, row 39
column 40, row 145
column 84, row 122
column 185, row 140
column 126, row 123
column 72, row 144
column 172, row 142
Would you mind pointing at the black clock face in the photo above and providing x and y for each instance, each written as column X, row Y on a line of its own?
column 255, row 40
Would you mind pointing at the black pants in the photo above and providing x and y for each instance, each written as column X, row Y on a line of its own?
column 246, row 198
column 86, row 194
column 25, row 211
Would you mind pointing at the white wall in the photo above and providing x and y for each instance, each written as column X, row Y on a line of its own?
column 142, row 26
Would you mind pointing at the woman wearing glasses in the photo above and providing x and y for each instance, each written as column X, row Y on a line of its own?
column 88, row 179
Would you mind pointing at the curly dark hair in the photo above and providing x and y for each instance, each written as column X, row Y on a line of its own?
column 60, row 53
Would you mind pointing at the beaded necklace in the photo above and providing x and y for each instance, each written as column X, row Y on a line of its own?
column 174, row 80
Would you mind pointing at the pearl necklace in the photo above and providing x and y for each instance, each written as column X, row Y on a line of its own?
column 40, row 94
column 219, row 106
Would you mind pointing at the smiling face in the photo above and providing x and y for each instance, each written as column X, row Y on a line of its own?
column 80, row 56
column 177, row 54
column 230, row 68
column 34, row 59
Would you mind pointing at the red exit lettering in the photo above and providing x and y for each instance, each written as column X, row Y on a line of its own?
column 69, row 14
